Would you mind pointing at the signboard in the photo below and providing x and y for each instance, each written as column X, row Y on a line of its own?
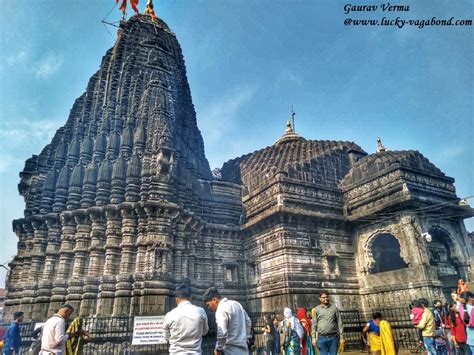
column 39, row 325
column 148, row 330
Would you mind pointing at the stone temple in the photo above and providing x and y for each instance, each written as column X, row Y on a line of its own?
column 122, row 205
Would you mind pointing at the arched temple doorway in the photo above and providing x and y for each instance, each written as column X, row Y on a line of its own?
column 440, row 256
column 385, row 250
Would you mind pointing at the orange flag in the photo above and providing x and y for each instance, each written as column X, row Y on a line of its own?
column 149, row 9
column 123, row 6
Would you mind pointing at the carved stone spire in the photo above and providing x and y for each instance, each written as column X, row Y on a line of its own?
column 75, row 187
column 62, row 188
column 104, row 183
column 118, row 181
column 133, row 179
column 49, row 187
column 90, row 185
column 87, row 147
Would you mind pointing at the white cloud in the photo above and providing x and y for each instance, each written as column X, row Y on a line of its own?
column 17, row 132
column 8, row 162
column 287, row 77
column 450, row 152
column 17, row 58
column 49, row 65
column 217, row 119
column 21, row 137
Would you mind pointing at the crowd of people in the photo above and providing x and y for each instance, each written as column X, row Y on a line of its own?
column 53, row 337
column 446, row 329
column 319, row 329
column 449, row 328
column 442, row 330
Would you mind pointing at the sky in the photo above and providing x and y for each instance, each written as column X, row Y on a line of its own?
column 248, row 62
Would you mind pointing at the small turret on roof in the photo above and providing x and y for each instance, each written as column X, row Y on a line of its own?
column 380, row 146
column 290, row 135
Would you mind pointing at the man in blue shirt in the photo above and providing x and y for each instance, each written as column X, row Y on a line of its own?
column 12, row 336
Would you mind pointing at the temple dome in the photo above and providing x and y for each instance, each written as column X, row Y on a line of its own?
column 382, row 162
column 313, row 161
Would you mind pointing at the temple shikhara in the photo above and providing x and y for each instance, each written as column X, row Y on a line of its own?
column 122, row 205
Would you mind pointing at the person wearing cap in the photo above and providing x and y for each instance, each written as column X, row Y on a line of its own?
column 233, row 324
column 53, row 335
column 185, row 325
column 12, row 336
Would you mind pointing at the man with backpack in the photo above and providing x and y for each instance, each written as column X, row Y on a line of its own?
column 12, row 336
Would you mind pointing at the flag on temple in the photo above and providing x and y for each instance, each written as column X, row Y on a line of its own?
column 123, row 6
column 149, row 9
column 134, row 4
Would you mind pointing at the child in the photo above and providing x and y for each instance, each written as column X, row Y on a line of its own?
column 415, row 316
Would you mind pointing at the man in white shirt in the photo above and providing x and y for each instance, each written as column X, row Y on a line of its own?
column 185, row 325
column 233, row 324
column 54, row 336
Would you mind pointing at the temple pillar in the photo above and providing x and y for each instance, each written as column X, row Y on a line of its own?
column 81, row 260
column 29, row 286
column 37, row 262
column 66, row 255
column 37, row 254
column 124, row 287
column 96, row 261
column 52, row 249
column 51, row 253
column 96, row 249
column 140, row 263
column 81, row 250
column 180, row 235
column 112, row 261
column 157, row 286
column 18, row 270
column 28, row 237
column 123, row 295
column 129, row 236
column 89, row 296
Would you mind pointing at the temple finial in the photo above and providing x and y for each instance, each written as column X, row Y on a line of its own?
column 380, row 146
column 293, row 114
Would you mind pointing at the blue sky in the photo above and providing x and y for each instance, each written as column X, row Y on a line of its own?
column 248, row 61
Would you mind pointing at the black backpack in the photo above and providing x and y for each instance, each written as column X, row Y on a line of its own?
column 466, row 314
